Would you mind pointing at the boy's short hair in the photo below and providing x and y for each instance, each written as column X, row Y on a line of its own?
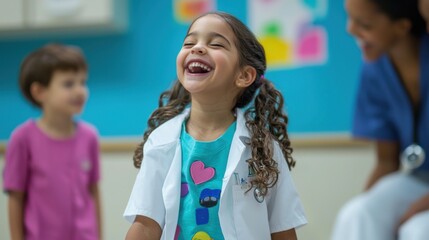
column 40, row 65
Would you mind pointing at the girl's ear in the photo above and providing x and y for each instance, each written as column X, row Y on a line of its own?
column 37, row 91
column 246, row 77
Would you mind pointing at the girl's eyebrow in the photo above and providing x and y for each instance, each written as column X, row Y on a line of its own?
column 210, row 35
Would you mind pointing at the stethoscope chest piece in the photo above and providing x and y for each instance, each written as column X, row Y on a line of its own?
column 258, row 195
column 412, row 157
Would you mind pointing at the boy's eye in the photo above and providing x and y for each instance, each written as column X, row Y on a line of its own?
column 68, row 84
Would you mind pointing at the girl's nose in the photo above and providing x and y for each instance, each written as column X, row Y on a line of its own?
column 198, row 50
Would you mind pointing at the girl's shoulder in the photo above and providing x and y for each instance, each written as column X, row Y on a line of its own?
column 168, row 131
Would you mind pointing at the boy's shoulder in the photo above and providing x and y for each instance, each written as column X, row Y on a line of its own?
column 24, row 128
column 87, row 128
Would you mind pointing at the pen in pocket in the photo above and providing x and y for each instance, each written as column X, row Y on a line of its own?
column 237, row 178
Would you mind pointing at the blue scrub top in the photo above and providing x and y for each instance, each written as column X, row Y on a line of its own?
column 383, row 108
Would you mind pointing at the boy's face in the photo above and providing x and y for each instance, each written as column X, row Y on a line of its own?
column 66, row 94
column 424, row 11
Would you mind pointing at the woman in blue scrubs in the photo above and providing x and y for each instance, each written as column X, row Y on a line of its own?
column 392, row 110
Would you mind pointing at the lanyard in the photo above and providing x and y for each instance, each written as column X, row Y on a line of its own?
column 415, row 114
column 413, row 156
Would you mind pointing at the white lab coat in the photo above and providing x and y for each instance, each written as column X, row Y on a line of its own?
column 156, row 192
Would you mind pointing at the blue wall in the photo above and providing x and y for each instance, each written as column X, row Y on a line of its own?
column 129, row 71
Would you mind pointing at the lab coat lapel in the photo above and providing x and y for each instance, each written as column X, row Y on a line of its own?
column 167, row 138
column 235, row 155
column 171, row 193
column 238, row 145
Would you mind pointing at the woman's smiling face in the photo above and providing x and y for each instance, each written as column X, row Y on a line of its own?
column 374, row 31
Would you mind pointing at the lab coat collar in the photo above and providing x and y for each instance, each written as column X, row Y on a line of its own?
column 170, row 131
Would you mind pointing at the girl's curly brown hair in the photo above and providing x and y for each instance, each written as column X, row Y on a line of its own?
column 265, row 118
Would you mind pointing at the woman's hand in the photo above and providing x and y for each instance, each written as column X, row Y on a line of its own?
column 420, row 205
column 285, row 235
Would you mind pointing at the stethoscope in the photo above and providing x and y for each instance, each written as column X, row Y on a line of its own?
column 258, row 195
column 414, row 155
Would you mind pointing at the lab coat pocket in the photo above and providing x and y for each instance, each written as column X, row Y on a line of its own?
column 250, row 216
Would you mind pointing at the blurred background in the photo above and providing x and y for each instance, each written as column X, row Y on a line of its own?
column 131, row 48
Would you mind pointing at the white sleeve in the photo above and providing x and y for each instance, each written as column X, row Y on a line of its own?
column 146, row 197
column 285, row 210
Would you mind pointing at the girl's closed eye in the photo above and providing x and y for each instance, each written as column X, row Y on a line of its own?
column 189, row 41
column 216, row 45
column 188, row 44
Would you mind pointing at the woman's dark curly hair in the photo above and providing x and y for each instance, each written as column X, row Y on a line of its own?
column 265, row 118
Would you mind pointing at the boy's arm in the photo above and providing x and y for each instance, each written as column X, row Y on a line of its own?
column 95, row 192
column 284, row 235
column 16, row 214
column 144, row 228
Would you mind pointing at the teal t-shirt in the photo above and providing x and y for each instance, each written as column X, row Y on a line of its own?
column 203, row 168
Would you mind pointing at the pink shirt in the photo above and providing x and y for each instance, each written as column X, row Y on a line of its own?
column 56, row 176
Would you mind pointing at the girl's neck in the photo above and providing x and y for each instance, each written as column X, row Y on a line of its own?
column 208, row 125
column 57, row 126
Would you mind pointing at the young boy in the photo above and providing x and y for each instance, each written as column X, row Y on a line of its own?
column 52, row 164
